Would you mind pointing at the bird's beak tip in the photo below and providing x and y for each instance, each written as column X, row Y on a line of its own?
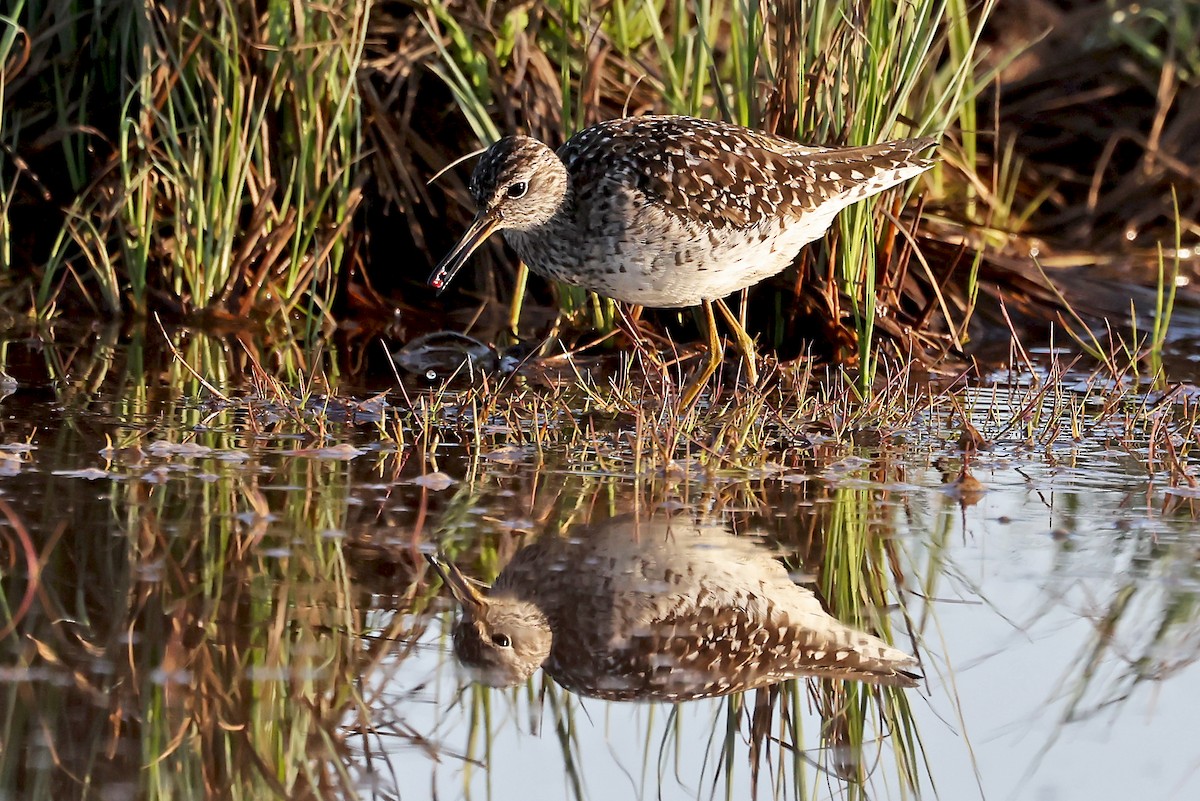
column 483, row 226
column 460, row 587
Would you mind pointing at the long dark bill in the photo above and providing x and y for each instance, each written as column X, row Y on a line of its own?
column 483, row 226
column 467, row 595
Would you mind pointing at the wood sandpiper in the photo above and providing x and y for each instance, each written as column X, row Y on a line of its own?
column 658, row 610
column 671, row 211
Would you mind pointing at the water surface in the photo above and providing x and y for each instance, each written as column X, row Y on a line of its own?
column 230, row 597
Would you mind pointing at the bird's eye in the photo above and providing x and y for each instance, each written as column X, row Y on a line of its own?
column 518, row 189
column 501, row 640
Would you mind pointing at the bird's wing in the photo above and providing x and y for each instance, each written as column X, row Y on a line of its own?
column 718, row 174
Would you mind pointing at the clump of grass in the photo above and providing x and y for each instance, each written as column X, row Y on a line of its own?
column 213, row 158
column 226, row 143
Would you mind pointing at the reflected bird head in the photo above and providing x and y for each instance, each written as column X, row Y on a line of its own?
column 502, row 638
column 518, row 184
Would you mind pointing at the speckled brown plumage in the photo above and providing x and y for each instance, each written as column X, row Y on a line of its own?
column 669, row 211
column 659, row 610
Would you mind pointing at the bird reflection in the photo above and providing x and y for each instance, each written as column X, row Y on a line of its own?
column 657, row 610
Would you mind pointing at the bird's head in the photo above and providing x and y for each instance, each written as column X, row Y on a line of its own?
column 519, row 184
column 502, row 638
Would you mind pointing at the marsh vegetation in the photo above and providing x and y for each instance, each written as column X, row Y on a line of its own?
column 235, row 424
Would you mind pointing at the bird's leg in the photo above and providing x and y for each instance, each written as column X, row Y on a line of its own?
column 711, row 360
column 745, row 343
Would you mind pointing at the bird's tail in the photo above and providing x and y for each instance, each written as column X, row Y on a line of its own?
column 855, row 173
column 836, row 651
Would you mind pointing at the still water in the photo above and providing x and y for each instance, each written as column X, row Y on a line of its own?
column 230, row 597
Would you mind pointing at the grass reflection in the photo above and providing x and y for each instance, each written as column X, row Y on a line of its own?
column 195, row 631
column 206, row 659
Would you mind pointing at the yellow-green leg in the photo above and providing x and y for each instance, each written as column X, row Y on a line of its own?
column 745, row 343
column 711, row 360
